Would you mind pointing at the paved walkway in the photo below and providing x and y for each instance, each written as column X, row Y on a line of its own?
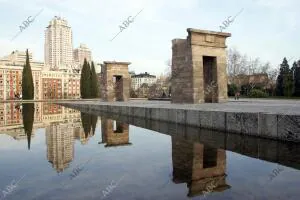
column 275, row 106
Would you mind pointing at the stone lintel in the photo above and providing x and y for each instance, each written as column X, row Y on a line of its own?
column 206, row 32
column 117, row 63
column 116, row 145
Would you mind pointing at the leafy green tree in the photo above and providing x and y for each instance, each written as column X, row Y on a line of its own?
column 85, row 81
column 27, row 80
column 28, row 118
column 94, row 82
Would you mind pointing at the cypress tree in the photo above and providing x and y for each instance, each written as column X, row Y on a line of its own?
column 297, row 79
column 85, row 81
column 94, row 82
column 28, row 118
column 94, row 119
column 89, row 123
column 287, row 79
column 88, row 81
column 27, row 80
column 293, row 69
column 86, row 123
column 279, row 81
column 82, row 91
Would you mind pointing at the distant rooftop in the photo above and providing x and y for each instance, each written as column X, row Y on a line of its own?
column 143, row 75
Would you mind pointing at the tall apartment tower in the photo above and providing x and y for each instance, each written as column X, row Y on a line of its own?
column 60, row 145
column 58, row 44
column 80, row 53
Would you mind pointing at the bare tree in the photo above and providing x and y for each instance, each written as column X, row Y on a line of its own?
column 254, row 66
column 236, row 63
column 265, row 68
column 168, row 70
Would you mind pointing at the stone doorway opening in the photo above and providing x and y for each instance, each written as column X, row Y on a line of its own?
column 118, row 127
column 118, row 89
column 210, row 79
column 210, row 156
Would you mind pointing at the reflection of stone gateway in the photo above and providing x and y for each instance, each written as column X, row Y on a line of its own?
column 114, row 133
column 198, row 61
column 199, row 166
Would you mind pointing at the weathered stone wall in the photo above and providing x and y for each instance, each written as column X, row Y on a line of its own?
column 115, row 90
column 181, row 72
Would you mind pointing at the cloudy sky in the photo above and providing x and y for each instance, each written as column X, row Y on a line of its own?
column 265, row 28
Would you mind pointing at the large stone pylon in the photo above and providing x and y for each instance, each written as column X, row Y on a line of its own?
column 199, row 67
column 115, row 83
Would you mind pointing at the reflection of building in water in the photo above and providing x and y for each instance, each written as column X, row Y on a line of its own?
column 199, row 166
column 2, row 116
column 63, row 126
column 114, row 133
column 60, row 145
column 51, row 109
column 18, row 132
column 11, row 115
column 11, row 122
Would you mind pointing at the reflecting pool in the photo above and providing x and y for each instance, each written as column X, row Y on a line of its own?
column 52, row 152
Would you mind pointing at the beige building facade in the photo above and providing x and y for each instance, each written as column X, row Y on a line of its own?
column 81, row 53
column 47, row 84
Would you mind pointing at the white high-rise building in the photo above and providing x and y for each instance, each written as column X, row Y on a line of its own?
column 81, row 53
column 58, row 44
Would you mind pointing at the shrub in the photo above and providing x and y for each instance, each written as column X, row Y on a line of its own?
column 232, row 89
column 255, row 93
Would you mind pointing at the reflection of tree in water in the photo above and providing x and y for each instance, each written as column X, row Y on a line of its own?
column 28, row 118
column 89, row 123
column 94, row 120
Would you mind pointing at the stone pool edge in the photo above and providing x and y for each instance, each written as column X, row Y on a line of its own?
column 276, row 126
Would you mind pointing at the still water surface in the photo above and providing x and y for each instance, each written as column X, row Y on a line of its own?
column 60, row 153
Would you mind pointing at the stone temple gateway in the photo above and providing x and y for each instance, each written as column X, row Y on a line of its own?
column 115, row 81
column 199, row 67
